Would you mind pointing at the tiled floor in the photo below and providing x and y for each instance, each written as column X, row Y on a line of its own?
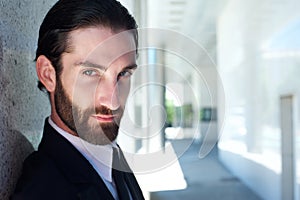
column 207, row 179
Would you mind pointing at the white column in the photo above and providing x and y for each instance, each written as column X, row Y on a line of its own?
column 155, row 100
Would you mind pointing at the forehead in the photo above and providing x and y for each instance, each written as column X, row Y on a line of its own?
column 101, row 44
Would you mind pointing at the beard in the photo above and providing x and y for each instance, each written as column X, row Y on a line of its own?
column 77, row 119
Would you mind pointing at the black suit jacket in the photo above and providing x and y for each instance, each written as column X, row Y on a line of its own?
column 59, row 171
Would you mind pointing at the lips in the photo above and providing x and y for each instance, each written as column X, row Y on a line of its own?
column 105, row 118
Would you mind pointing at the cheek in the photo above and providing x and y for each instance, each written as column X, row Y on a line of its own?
column 124, row 89
column 84, row 93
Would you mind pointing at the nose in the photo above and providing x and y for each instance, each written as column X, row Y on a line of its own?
column 107, row 94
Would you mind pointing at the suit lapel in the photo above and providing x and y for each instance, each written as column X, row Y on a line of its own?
column 133, row 186
column 130, row 179
column 73, row 165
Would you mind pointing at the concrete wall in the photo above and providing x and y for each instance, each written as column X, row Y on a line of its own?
column 22, row 106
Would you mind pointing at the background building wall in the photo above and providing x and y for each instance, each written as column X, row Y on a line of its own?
column 258, row 59
column 22, row 106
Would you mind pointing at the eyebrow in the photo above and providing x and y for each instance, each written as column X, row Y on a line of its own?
column 94, row 65
column 91, row 65
column 133, row 66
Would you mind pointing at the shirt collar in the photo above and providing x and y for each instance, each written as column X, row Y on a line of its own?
column 100, row 156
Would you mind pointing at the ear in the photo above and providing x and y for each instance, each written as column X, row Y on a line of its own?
column 46, row 73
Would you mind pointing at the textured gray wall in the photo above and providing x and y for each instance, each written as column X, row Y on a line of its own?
column 22, row 106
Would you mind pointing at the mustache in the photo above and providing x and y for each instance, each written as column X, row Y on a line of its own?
column 103, row 110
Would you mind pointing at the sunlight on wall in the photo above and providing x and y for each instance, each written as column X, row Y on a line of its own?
column 258, row 61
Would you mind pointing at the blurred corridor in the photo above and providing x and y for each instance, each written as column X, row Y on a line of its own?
column 229, row 75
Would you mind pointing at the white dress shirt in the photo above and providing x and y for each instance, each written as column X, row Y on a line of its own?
column 99, row 156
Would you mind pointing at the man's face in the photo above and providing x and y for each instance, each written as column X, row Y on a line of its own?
column 92, row 89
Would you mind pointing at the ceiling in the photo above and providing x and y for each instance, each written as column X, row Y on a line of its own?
column 195, row 19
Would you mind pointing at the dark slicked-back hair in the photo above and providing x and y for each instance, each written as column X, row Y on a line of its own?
column 68, row 15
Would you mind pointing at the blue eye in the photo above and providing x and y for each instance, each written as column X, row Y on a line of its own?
column 90, row 72
column 125, row 73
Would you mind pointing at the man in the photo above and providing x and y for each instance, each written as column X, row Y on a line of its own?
column 85, row 57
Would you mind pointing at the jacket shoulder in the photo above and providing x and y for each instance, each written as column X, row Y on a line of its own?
column 42, row 179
